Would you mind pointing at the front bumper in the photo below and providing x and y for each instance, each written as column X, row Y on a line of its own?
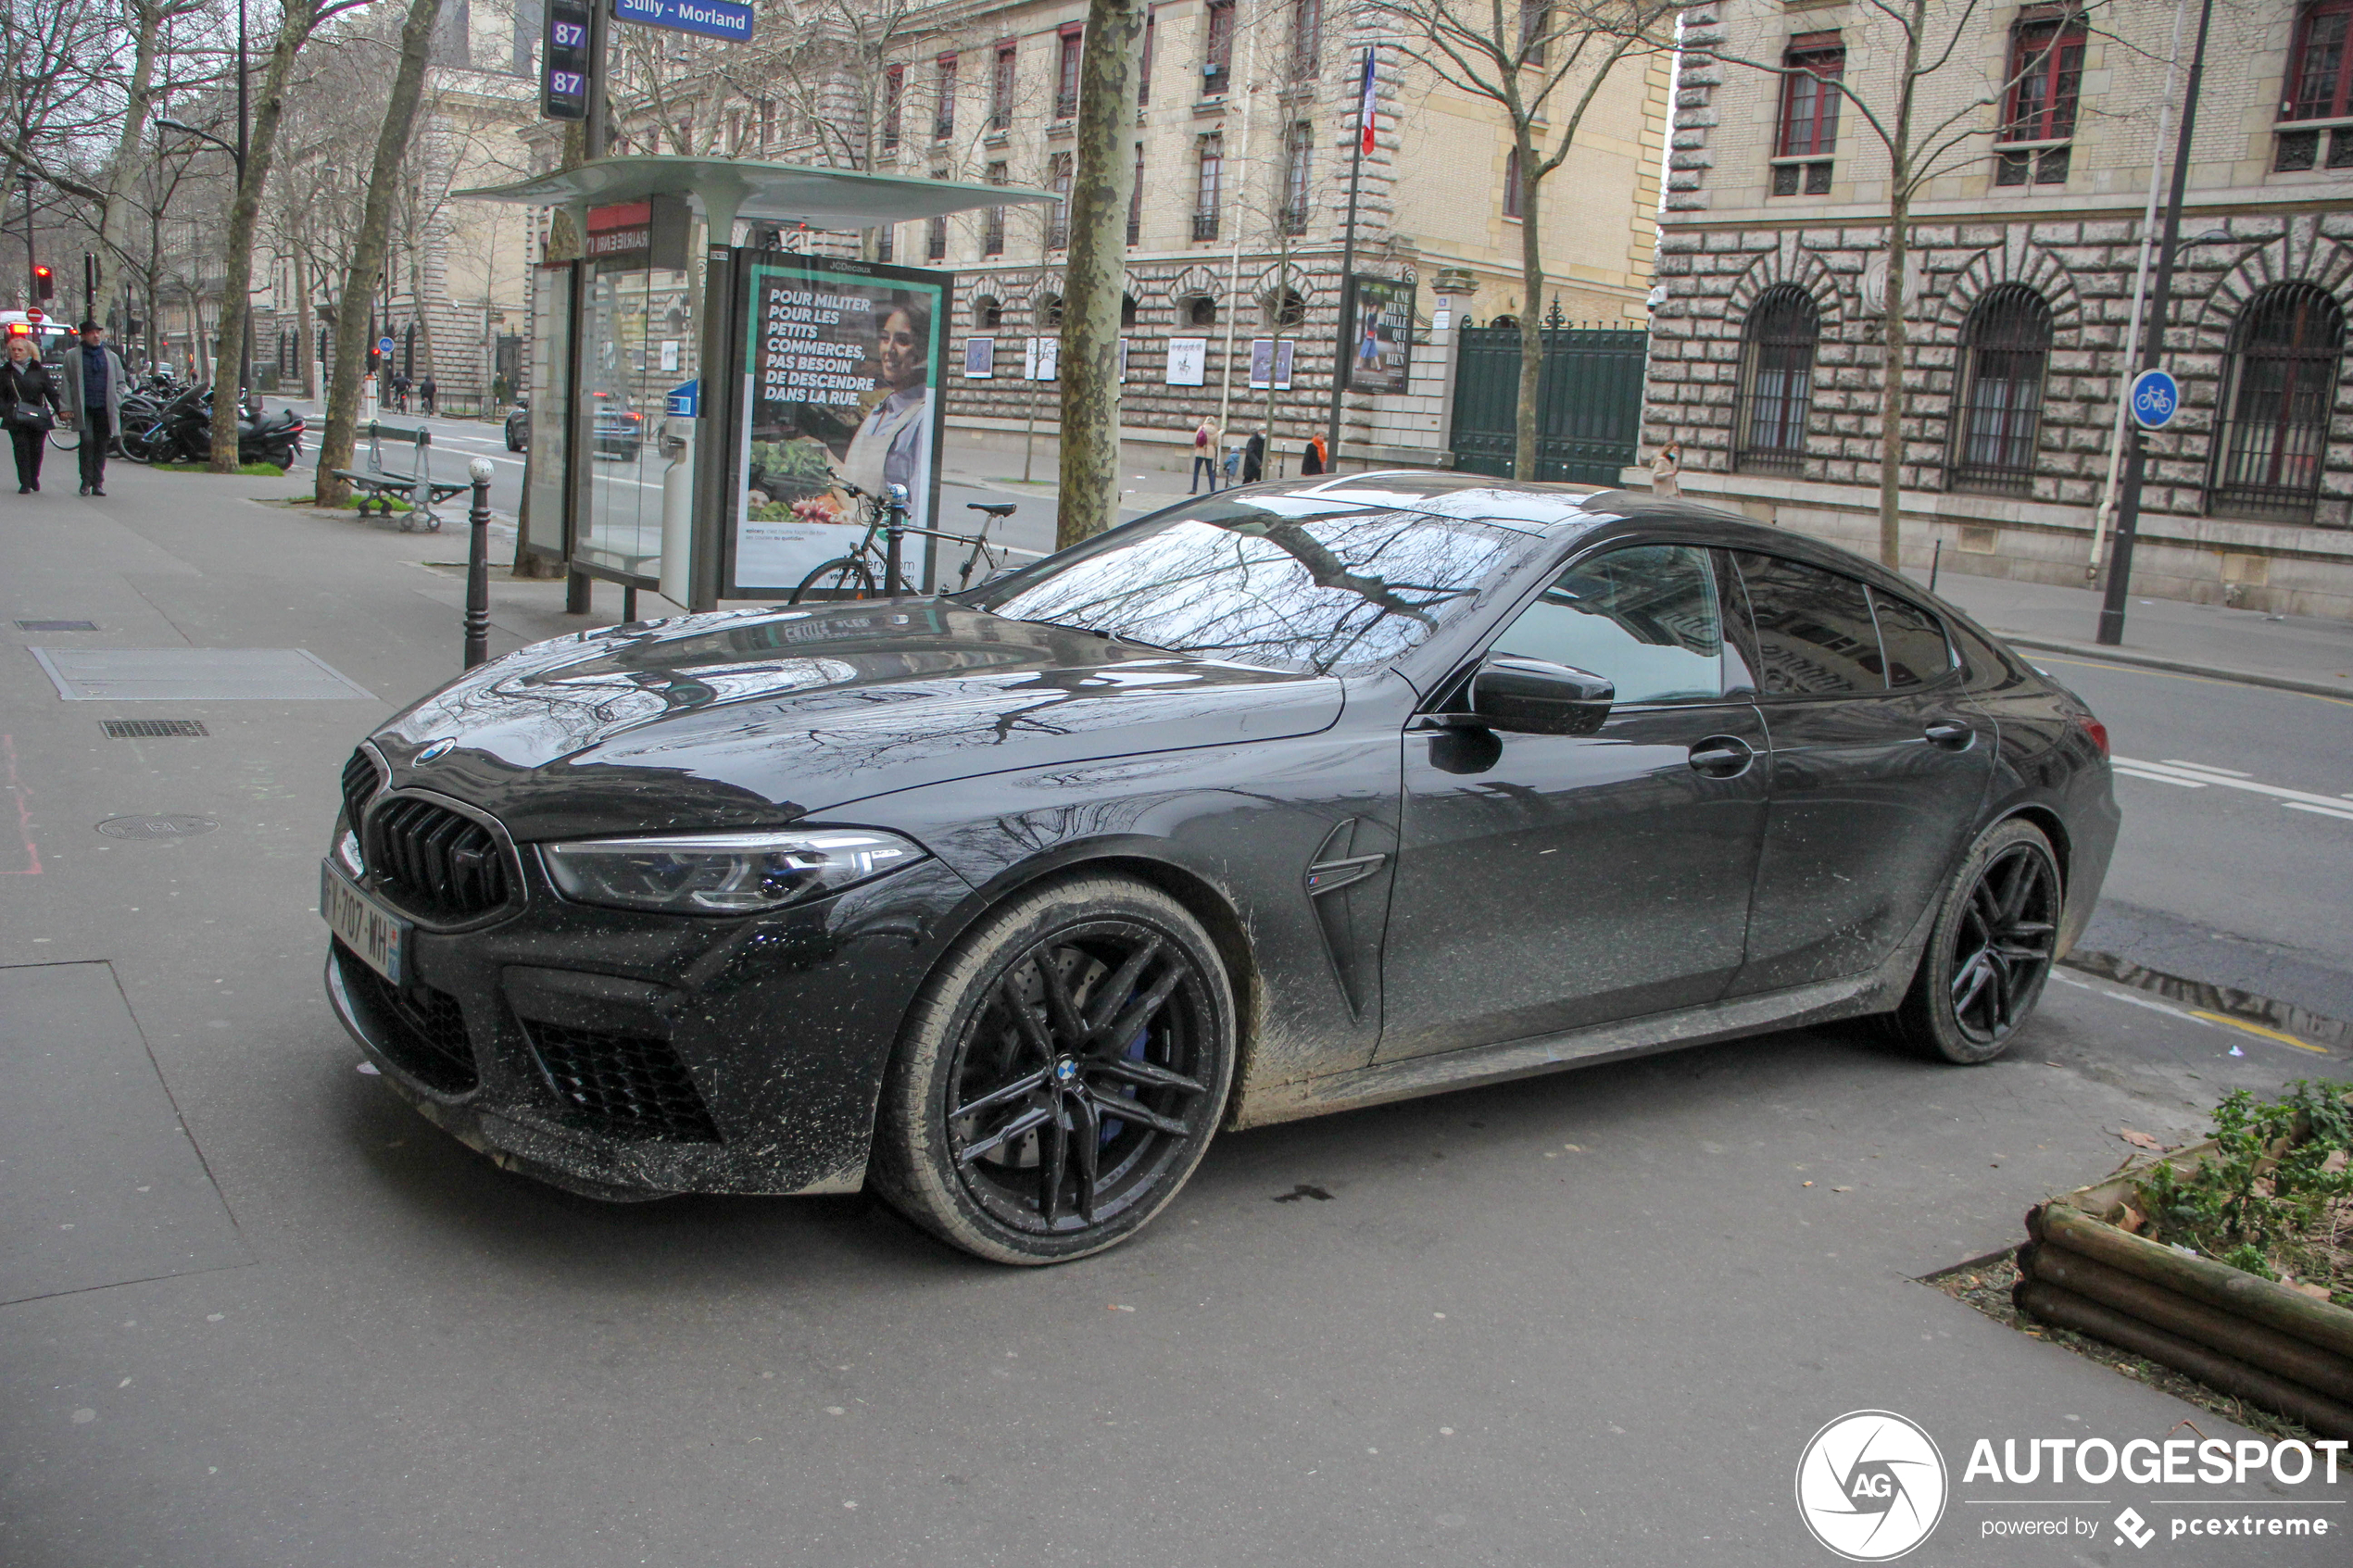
column 629, row 1056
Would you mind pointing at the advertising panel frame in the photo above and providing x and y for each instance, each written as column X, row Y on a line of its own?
column 1394, row 312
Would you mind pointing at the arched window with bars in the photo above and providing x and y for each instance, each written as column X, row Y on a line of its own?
column 2278, row 384
column 2006, row 346
column 1777, row 382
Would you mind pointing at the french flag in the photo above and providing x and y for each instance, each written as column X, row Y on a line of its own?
column 1365, row 104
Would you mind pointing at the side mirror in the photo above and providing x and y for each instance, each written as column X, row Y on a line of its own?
column 1537, row 697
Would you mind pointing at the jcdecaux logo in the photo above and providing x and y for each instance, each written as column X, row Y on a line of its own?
column 1871, row 1486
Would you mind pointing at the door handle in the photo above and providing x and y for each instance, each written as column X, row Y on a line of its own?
column 1951, row 737
column 1722, row 756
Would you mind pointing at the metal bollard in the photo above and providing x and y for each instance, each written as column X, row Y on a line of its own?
column 478, row 564
column 894, row 532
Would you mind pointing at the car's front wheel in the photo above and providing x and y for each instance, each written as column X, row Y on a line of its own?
column 1996, row 935
column 1061, row 1073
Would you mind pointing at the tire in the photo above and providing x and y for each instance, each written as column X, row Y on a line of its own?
column 1085, row 960
column 512, row 445
column 844, row 577
column 1991, row 950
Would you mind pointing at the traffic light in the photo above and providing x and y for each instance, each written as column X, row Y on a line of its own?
column 44, row 285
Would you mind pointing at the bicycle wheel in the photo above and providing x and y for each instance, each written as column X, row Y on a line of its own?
column 843, row 578
column 66, row 438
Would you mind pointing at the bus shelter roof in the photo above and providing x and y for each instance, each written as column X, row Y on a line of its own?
column 822, row 198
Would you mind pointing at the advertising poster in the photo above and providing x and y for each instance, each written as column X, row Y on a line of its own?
column 842, row 365
column 1270, row 363
column 1041, row 358
column 1380, row 333
column 1187, row 361
column 980, row 358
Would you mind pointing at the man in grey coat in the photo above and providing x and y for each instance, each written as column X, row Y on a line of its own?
column 94, row 381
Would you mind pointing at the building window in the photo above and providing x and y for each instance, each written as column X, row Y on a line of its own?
column 988, row 312
column 1067, row 74
column 1535, row 26
column 1210, row 174
column 1201, row 311
column 1307, row 38
column 1777, row 382
column 2278, row 384
column 1217, row 54
column 2046, row 73
column 992, row 223
column 1286, row 308
column 935, row 232
column 2006, row 343
column 1808, row 134
column 1144, row 69
column 893, row 101
column 2319, row 86
column 1512, row 199
column 1299, row 149
column 1057, row 173
column 1000, row 90
column 943, row 124
column 1136, row 200
column 1050, row 310
column 1126, row 310
column 886, row 243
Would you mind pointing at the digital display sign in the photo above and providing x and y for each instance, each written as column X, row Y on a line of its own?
column 564, row 71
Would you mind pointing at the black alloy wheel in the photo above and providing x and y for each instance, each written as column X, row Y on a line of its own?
column 1063, row 1075
column 1995, row 938
column 844, row 577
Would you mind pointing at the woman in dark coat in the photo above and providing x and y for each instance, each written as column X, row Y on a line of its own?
column 27, row 389
column 1254, row 458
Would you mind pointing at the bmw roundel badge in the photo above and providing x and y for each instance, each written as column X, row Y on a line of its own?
column 438, row 750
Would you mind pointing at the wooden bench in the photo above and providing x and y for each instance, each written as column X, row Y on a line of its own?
column 378, row 486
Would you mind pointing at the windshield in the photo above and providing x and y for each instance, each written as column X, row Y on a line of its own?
column 1299, row 583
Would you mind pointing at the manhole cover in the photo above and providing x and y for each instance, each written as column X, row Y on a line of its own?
column 152, row 728
column 56, row 625
column 156, row 827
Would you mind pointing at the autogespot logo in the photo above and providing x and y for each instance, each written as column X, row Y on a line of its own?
column 1870, row 1486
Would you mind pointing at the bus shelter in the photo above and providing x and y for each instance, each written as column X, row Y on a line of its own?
column 704, row 415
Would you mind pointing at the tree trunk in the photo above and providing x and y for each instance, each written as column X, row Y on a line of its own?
column 1531, row 317
column 114, row 218
column 1899, row 212
column 350, row 359
column 236, row 289
column 1097, row 273
column 306, row 343
column 417, row 291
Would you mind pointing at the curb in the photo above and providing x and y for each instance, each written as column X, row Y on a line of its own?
column 2342, row 693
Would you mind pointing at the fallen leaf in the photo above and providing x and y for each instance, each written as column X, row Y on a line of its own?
column 1842, row 1189
column 2140, row 1140
column 2317, row 1292
column 1805, row 1183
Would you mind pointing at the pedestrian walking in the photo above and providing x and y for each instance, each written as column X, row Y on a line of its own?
column 425, row 391
column 1667, row 466
column 1313, row 458
column 1204, row 455
column 1254, row 458
column 95, row 383
column 28, row 394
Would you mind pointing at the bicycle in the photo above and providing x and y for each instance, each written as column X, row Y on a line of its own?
column 857, row 574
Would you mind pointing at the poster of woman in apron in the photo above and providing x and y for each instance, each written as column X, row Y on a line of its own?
column 893, row 443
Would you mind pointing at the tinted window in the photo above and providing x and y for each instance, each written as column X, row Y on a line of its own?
column 1987, row 668
column 1814, row 631
column 1914, row 641
column 1289, row 582
column 1644, row 617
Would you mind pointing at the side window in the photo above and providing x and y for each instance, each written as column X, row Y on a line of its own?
column 1814, row 637
column 1914, row 640
column 1987, row 669
column 1643, row 618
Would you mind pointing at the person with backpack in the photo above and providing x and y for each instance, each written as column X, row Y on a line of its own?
column 1204, row 455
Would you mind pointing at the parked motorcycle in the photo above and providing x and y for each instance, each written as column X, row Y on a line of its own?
column 182, row 432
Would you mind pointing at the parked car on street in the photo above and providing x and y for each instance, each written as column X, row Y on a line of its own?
column 620, row 430
column 519, row 425
column 1293, row 798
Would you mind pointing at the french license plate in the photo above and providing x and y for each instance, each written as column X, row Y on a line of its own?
column 379, row 936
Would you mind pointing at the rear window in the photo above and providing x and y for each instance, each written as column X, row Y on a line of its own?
column 1814, row 637
column 1914, row 642
column 1289, row 583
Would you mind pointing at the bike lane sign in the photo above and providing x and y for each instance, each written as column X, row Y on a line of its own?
column 2155, row 398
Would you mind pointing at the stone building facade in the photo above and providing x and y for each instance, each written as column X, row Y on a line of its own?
column 1768, row 343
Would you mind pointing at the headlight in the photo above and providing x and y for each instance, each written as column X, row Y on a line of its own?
column 721, row 874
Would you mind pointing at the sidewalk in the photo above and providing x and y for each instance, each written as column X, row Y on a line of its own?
column 2291, row 652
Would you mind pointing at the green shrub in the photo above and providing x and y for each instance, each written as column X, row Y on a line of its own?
column 2270, row 1198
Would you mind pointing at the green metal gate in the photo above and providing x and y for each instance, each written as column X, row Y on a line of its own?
column 1589, row 416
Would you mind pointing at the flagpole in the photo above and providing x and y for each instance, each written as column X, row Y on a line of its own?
column 1340, row 333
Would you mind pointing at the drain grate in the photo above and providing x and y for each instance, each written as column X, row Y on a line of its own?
column 150, row 729
column 56, row 625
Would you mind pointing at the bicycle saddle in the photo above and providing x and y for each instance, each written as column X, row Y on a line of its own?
column 994, row 508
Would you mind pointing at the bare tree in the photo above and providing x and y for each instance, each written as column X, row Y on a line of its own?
column 1094, row 281
column 1925, row 39
column 1542, row 63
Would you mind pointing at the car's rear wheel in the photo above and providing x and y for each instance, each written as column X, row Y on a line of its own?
column 1996, row 935
column 1060, row 1074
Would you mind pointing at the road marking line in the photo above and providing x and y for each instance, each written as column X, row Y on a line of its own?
column 2162, row 778
column 2274, row 791
column 2207, row 768
column 2341, row 814
column 2041, row 658
column 2259, row 1029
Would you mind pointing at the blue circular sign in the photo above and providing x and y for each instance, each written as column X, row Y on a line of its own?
column 2156, row 397
column 384, row 345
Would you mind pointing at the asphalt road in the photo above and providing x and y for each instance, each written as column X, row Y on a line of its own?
column 254, row 1310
